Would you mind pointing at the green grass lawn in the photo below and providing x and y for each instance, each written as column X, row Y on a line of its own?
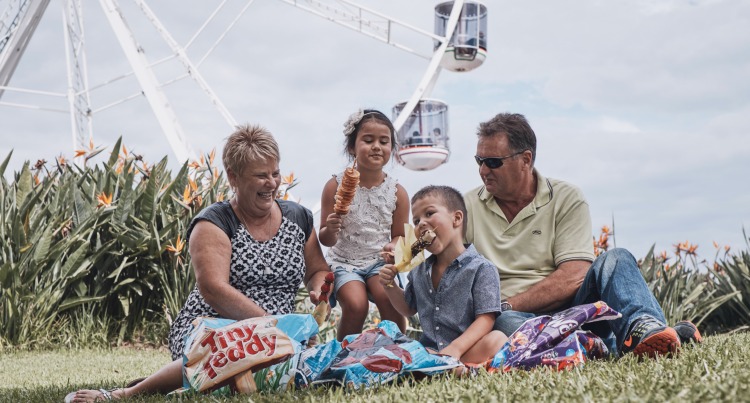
column 713, row 371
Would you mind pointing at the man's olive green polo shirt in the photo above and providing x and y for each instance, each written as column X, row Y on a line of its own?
column 555, row 227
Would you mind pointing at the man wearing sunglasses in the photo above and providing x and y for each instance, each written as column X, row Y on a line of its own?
column 537, row 231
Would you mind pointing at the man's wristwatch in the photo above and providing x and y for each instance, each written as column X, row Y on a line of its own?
column 505, row 305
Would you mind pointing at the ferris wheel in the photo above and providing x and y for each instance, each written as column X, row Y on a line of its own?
column 459, row 44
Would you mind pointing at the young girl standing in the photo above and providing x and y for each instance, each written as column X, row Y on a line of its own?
column 375, row 220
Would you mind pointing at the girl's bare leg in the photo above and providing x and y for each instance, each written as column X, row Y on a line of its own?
column 386, row 309
column 354, row 307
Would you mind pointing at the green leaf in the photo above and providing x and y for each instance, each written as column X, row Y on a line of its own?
column 77, row 301
column 5, row 163
column 23, row 184
column 42, row 247
column 114, row 156
column 74, row 261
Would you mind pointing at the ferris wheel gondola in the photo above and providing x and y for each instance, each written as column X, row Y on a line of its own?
column 462, row 25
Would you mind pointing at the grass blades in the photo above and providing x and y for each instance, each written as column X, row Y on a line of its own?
column 712, row 371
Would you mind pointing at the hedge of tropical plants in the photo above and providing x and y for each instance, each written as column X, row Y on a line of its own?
column 101, row 246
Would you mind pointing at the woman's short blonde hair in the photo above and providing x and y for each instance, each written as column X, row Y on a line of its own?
column 249, row 143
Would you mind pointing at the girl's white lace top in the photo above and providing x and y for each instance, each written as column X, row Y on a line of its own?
column 366, row 228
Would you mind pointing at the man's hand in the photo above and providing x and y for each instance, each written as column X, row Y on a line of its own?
column 553, row 292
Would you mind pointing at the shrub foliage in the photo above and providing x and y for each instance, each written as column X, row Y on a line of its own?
column 103, row 242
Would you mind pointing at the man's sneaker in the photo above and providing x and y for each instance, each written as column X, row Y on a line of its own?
column 649, row 337
column 687, row 332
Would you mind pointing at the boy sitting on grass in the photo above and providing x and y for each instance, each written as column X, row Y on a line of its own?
column 456, row 291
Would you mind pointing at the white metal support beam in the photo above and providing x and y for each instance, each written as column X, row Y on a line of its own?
column 149, row 84
column 78, row 85
column 192, row 70
column 433, row 69
column 363, row 20
column 23, row 17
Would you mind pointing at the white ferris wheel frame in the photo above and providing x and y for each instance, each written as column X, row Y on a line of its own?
column 17, row 28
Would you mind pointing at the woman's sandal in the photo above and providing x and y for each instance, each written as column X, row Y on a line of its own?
column 106, row 395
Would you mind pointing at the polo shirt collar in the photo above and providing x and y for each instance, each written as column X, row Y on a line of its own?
column 543, row 191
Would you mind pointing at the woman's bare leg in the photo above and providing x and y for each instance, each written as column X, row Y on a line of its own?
column 163, row 381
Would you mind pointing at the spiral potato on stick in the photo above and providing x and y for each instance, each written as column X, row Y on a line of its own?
column 346, row 190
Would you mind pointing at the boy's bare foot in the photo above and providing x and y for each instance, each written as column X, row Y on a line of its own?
column 466, row 370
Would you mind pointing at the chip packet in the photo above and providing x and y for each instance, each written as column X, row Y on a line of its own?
column 223, row 353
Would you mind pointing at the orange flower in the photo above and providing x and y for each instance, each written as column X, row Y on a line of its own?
column 176, row 250
column 691, row 249
column 104, row 200
column 36, row 179
column 211, row 156
column 605, row 230
column 79, row 153
column 716, row 245
column 187, row 195
column 288, row 180
column 664, row 255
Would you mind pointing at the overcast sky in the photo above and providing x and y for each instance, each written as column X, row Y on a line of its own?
column 645, row 105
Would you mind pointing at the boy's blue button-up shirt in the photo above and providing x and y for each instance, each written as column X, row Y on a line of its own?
column 469, row 287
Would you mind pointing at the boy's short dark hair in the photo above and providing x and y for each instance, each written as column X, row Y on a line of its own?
column 451, row 198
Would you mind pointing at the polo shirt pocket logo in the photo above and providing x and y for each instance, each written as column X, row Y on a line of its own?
column 536, row 232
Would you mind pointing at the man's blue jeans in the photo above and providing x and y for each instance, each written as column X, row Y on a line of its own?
column 614, row 277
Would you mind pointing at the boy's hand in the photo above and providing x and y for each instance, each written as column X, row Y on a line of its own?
column 333, row 223
column 451, row 351
column 387, row 275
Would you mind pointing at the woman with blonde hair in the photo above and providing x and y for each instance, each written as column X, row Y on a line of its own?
column 250, row 255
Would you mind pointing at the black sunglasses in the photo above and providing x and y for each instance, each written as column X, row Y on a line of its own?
column 494, row 162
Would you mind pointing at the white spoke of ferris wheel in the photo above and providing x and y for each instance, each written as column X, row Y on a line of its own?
column 35, row 107
column 16, row 29
column 223, row 34
column 357, row 22
column 433, row 69
column 205, row 23
column 78, row 91
column 146, row 78
column 192, row 70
